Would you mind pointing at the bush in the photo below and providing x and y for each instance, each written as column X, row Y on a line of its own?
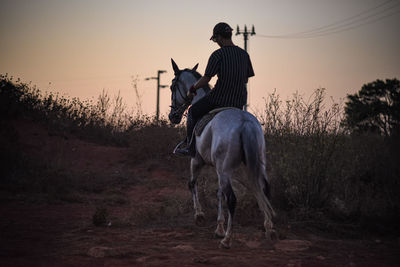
column 105, row 121
column 368, row 183
column 317, row 169
column 301, row 139
column 316, row 166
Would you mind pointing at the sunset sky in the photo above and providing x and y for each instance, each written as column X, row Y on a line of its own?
column 82, row 46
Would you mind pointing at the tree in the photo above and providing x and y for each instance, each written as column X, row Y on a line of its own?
column 375, row 108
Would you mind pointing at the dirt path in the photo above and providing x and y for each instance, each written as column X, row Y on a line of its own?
column 61, row 235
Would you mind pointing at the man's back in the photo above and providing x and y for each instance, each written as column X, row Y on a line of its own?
column 233, row 67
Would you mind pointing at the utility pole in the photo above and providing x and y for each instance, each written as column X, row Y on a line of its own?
column 158, row 91
column 246, row 38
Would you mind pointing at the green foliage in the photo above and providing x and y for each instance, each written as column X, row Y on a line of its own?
column 375, row 108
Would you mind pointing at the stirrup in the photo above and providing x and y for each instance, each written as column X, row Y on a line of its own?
column 178, row 146
column 183, row 152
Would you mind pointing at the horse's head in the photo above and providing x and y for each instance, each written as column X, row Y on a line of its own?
column 180, row 85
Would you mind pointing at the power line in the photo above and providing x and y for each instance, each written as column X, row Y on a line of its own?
column 359, row 22
column 366, row 17
column 338, row 23
column 353, row 26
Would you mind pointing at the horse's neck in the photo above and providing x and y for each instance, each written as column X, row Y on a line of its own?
column 190, row 79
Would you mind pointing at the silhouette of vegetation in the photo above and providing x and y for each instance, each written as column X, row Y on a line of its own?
column 318, row 170
column 105, row 121
column 375, row 108
column 302, row 138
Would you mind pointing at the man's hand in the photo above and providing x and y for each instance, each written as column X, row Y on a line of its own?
column 199, row 84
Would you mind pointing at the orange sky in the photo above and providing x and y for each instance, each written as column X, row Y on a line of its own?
column 83, row 47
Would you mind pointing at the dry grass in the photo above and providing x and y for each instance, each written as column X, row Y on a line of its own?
column 316, row 168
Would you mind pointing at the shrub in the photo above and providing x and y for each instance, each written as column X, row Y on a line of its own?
column 316, row 166
column 301, row 139
column 105, row 122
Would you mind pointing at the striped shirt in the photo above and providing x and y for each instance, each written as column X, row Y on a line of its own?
column 233, row 67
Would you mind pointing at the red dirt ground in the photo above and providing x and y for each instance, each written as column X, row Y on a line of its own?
column 40, row 233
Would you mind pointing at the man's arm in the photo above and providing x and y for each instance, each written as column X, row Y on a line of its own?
column 202, row 82
column 199, row 84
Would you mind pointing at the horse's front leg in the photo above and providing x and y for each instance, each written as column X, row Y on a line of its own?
column 195, row 166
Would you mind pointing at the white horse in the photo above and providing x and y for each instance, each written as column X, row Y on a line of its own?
column 232, row 137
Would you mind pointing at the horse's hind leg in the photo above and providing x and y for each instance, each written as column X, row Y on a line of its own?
column 226, row 187
column 220, row 231
column 262, row 196
column 195, row 166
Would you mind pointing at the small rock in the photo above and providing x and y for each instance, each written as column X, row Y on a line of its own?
column 99, row 218
column 320, row 258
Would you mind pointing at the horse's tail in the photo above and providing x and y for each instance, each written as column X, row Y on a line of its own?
column 253, row 144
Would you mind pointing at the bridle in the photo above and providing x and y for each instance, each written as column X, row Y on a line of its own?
column 178, row 110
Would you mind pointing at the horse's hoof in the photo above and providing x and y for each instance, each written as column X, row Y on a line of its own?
column 219, row 235
column 219, row 232
column 200, row 219
column 272, row 236
column 225, row 243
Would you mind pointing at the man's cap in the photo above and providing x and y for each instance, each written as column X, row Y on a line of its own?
column 220, row 28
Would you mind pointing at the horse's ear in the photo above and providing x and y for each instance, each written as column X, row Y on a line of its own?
column 195, row 67
column 175, row 67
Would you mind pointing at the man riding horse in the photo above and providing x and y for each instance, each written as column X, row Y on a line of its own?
column 233, row 67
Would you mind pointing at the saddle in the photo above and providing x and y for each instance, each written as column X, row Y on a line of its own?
column 202, row 123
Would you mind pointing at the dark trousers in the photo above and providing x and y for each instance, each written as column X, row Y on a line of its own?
column 196, row 112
